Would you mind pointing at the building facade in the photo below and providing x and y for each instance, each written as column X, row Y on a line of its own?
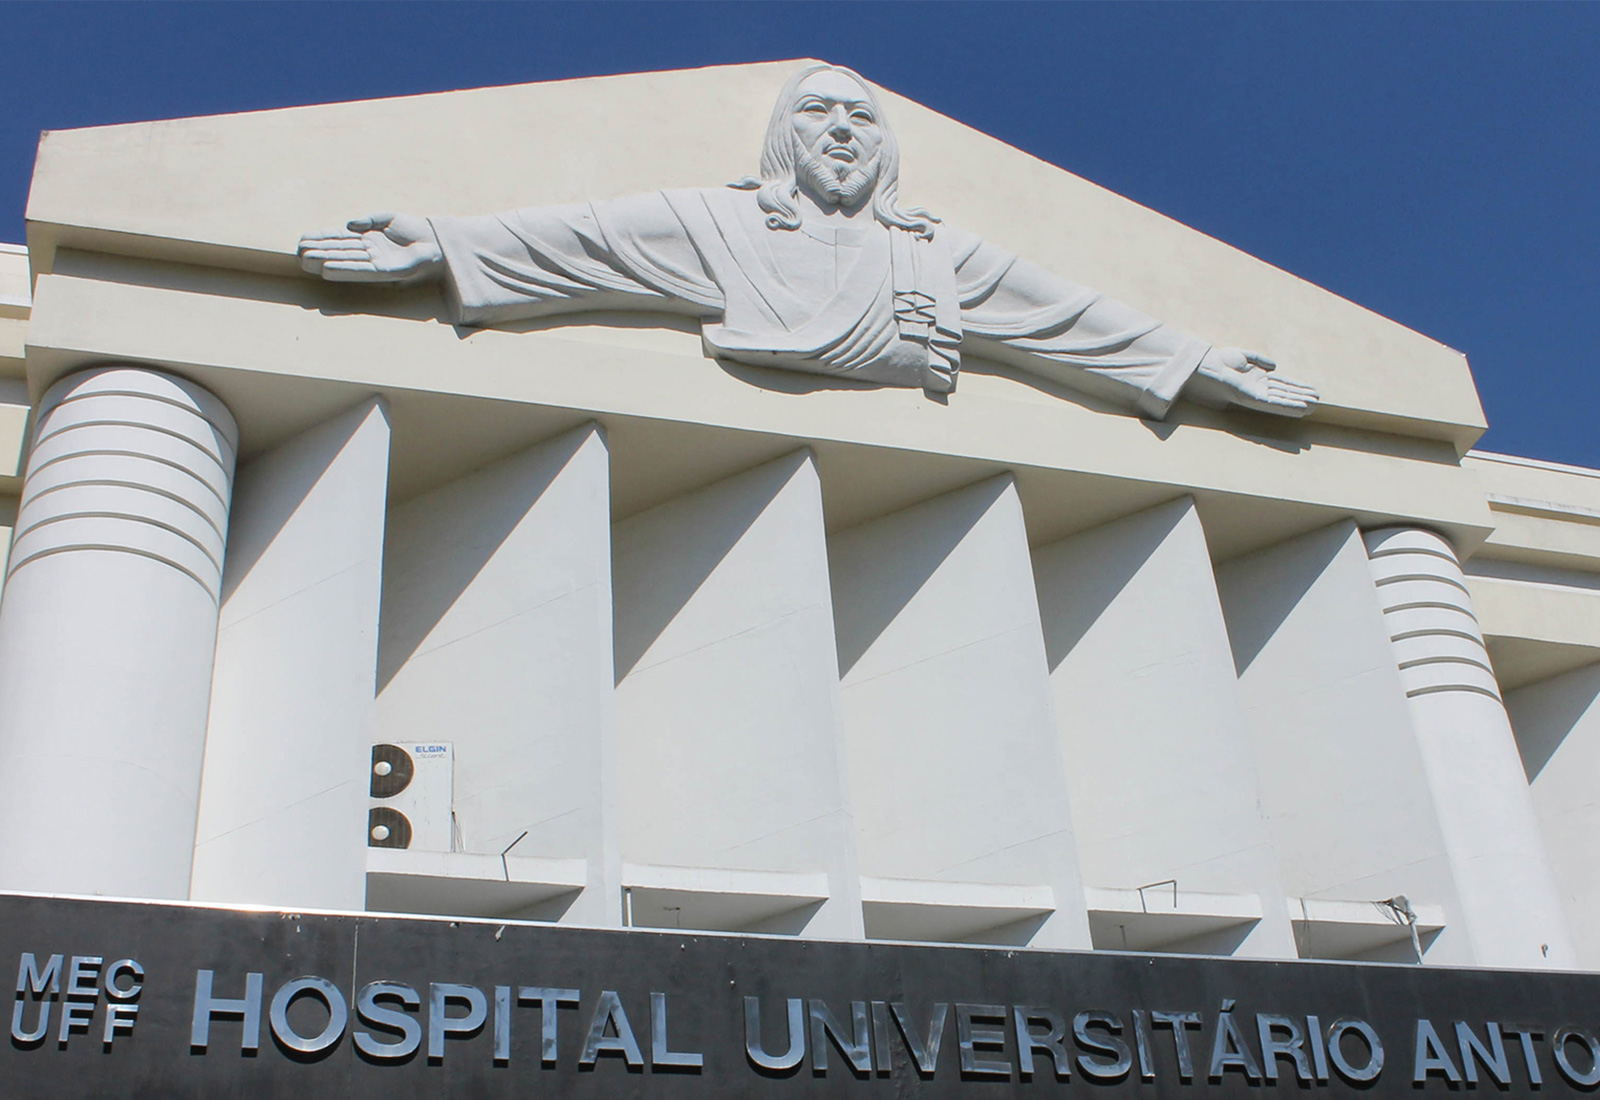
column 318, row 600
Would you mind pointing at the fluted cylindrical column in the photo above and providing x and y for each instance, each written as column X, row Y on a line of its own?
column 107, row 633
column 1510, row 903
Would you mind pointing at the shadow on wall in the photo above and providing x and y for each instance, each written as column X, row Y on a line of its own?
column 1545, row 712
column 651, row 589
column 1066, row 621
column 257, row 518
column 1277, row 583
column 860, row 616
column 424, row 579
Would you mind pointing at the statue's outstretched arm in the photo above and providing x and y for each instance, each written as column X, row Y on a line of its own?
column 379, row 248
column 1075, row 335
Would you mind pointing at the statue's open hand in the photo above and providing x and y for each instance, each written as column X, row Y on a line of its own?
column 1234, row 376
column 380, row 248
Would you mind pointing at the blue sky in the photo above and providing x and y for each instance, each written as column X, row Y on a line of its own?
column 1437, row 163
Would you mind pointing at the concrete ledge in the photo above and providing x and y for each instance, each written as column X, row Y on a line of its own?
column 717, row 900
column 1161, row 918
column 950, row 912
column 1331, row 929
column 468, row 884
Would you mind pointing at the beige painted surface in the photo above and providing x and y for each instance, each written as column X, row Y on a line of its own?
column 1544, row 512
column 238, row 190
column 16, row 299
column 15, row 423
column 1539, row 621
column 1538, row 610
column 255, row 341
column 13, row 340
column 14, row 280
column 1536, row 579
column 14, row 411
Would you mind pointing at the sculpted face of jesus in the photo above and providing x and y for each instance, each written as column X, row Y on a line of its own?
column 838, row 137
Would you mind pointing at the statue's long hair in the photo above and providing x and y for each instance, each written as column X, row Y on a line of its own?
column 778, row 188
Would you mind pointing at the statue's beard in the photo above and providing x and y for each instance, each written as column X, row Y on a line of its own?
column 840, row 183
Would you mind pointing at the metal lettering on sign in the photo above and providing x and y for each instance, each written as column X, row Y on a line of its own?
column 366, row 1006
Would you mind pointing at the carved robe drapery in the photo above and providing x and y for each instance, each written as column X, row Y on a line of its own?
column 871, row 303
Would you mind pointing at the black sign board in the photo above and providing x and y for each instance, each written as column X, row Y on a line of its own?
column 170, row 1001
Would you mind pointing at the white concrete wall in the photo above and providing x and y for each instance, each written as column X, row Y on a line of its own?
column 1507, row 891
column 1161, row 771
column 284, row 799
column 107, row 633
column 496, row 636
column 727, row 696
column 1342, row 782
column 1557, row 724
column 954, row 765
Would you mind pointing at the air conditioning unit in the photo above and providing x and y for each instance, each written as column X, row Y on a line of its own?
column 412, row 794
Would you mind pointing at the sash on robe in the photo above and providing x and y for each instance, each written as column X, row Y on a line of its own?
column 894, row 317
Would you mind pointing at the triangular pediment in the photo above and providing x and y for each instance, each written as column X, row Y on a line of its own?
column 238, row 190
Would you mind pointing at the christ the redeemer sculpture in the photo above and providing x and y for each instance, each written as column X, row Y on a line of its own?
column 815, row 266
